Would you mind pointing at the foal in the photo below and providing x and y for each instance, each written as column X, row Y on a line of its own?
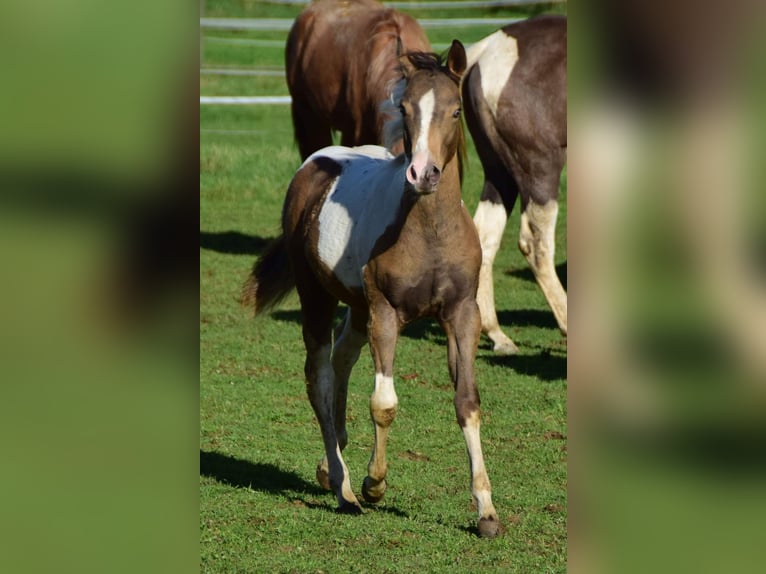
column 390, row 237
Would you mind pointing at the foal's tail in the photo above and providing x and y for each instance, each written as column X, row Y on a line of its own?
column 271, row 279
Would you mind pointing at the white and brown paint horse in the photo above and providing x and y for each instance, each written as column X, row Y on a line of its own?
column 341, row 58
column 390, row 237
column 514, row 94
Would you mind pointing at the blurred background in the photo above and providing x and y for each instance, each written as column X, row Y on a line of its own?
column 667, row 237
column 98, row 300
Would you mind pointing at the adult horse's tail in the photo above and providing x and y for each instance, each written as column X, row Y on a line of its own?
column 271, row 279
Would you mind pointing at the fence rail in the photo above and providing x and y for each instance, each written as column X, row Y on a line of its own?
column 284, row 24
column 244, row 100
column 441, row 5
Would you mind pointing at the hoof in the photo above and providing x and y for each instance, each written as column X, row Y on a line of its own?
column 347, row 507
column 373, row 493
column 505, row 347
column 323, row 476
column 489, row 527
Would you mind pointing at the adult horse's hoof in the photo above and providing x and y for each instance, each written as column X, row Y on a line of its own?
column 504, row 346
column 347, row 507
column 323, row 475
column 373, row 492
column 489, row 527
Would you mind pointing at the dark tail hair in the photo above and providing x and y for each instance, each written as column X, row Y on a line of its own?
column 271, row 279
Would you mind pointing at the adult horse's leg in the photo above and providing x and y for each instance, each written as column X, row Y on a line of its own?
column 537, row 242
column 312, row 131
column 383, row 331
column 498, row 197
column 490, row 219
column 350, row 337
column 462, row 326
column 318, row 310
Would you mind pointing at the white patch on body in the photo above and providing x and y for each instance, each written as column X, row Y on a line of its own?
column 496, row 55
column 361, row 203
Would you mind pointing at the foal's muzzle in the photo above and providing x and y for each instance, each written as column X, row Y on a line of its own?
column 423, row 173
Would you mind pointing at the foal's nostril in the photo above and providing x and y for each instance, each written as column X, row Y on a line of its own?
column 435, row 175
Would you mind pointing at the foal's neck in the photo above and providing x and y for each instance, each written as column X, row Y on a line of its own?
column 440, row 209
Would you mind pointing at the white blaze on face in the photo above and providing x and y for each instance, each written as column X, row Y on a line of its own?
column 426, row 107
column 498, row 55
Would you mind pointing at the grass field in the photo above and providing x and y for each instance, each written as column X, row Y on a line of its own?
column 260, row 507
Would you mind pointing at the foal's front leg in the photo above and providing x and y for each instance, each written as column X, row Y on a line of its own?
column 463, row 327
column 383, row 331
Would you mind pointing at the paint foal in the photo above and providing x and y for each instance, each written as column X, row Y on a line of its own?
column 515, row 106
column 390, row 237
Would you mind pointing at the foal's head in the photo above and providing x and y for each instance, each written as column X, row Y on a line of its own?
column 430, row 115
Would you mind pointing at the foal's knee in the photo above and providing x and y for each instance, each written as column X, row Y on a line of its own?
column 384, row 402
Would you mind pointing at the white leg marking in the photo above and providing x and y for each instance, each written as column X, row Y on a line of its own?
column 384, row 395
column 383, row 405
column 490, row 220
column 480, row 486
column 537, row 241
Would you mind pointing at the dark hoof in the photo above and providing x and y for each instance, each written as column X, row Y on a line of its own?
column 489, row 527
column 373, row 494
column 349, row 508
column 323, row 477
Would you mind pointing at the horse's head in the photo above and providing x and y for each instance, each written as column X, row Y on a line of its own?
column 430, row 108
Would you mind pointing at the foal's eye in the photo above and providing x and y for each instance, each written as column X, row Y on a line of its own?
column 456, row 113
column 401, row 109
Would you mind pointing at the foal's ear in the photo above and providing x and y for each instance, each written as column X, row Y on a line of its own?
column 456, row 59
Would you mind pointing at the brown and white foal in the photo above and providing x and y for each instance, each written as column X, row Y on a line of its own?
column 390, row 237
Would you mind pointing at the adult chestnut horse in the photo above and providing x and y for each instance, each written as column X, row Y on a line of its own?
column 390, row 237
column 516, row 109
column 341, row 59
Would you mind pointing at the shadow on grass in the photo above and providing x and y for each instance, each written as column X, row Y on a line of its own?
column 272, row 479
column 232, row 242
column 526, row 273
column 542, row 318
column 542, row 365
column 257, row 476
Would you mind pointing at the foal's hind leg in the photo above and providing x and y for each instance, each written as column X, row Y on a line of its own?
column 318, row 310
column 537, row 241
column 462, row 326
column 350, row 337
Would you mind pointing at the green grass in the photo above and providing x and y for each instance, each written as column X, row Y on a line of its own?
column 260, row 507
